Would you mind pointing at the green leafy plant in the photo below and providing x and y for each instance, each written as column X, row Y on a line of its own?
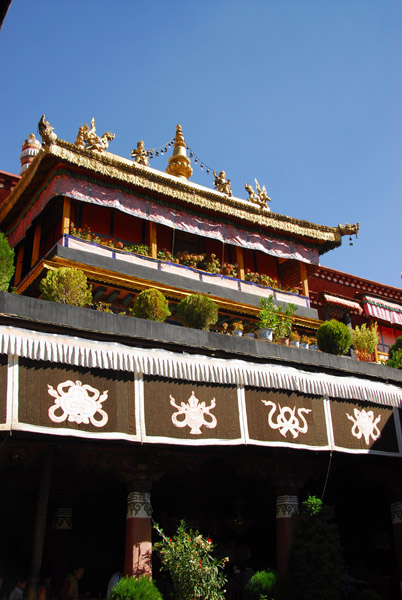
column 212, row 264
column 151, row 304
column 66, row 286
column 365, row 340
column 334, row 337
column 268, row 317
column 284, row 325
column 194, row 570
column 166, row 255
column 294, row 336
column 261, row 584
column 315, row 558
column 6, row 263
column 197, row 311
column 104, row 307
column 190, row 260
column 131, row 588
column 142, row 249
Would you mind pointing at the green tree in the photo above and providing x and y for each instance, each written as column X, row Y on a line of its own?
column 66, row 286
column 315, row 559
column 6, row 263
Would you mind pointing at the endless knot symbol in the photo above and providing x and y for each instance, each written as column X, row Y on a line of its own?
column 78, row 403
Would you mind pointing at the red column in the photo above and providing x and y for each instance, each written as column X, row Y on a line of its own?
column 137, row 558
column 396, row 518
column 287, row 510
column 61, row 545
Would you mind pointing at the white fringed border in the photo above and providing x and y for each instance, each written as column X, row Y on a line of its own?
column 109, row 355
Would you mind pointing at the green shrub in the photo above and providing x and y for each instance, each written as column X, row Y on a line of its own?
column 152, row 305
column 396, row 360
column 334, row 337
column 6, row 263
column 197, row 311
column 189, row 557
column 66, row 286
column 395, row 347
column 262, row 583
column 130, row 588
column 365, row 339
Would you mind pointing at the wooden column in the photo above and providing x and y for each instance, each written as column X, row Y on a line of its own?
column 66, row 216
column 240, row 262
column 61, row 544
column 36, row 244
column 138, row 550
column 40, row 526
column 18, row 266
column 287, row 510
column 153, row 239
column 303, row 277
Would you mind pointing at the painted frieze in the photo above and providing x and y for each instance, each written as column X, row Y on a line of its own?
column 88, row 400
column 279, row 417
column 363, row 427
column 190, row 411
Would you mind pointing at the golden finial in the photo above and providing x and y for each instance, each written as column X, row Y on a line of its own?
column 179, row 163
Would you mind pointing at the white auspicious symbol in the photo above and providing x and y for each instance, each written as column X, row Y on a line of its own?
column 78, row 403
column 365, row 425
column 287, row 419
column 193, row 413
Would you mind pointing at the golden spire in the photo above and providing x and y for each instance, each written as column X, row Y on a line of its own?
column 179, row 163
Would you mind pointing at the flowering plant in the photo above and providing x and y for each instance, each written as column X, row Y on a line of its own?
column 195, row 572
column 237, row 326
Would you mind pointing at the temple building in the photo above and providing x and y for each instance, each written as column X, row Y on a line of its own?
column 109, row 421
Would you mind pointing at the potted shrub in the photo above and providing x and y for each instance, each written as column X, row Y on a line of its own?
column 237, row 328
column 294, row 339
column 197, row 311
column 313, row 344
column 131, row 588
column 334, row 337
column 285, row 322
column 268, row 318
column 365, row 340
column 304, row 342
column 66, row 286
column 151, row 304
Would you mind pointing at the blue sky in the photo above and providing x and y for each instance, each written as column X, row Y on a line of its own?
column 305, row 95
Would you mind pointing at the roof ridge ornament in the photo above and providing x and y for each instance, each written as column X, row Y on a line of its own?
column 348, row 229
column 88, row 139
column 179, row 163
column 259, row 197
column 46, row 132
column 222, row 184
column 140, row 155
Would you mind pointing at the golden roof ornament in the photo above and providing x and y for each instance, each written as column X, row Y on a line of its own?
column 87, row 138
column 259, row 197
column 46, row 132
column 222, row 184
column 179, row 163
column 140, row 155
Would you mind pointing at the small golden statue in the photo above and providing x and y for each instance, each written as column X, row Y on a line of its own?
column 222, row 184
column 259, row 197
column 46, row 132
column 88, row 138
column 140, row 155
